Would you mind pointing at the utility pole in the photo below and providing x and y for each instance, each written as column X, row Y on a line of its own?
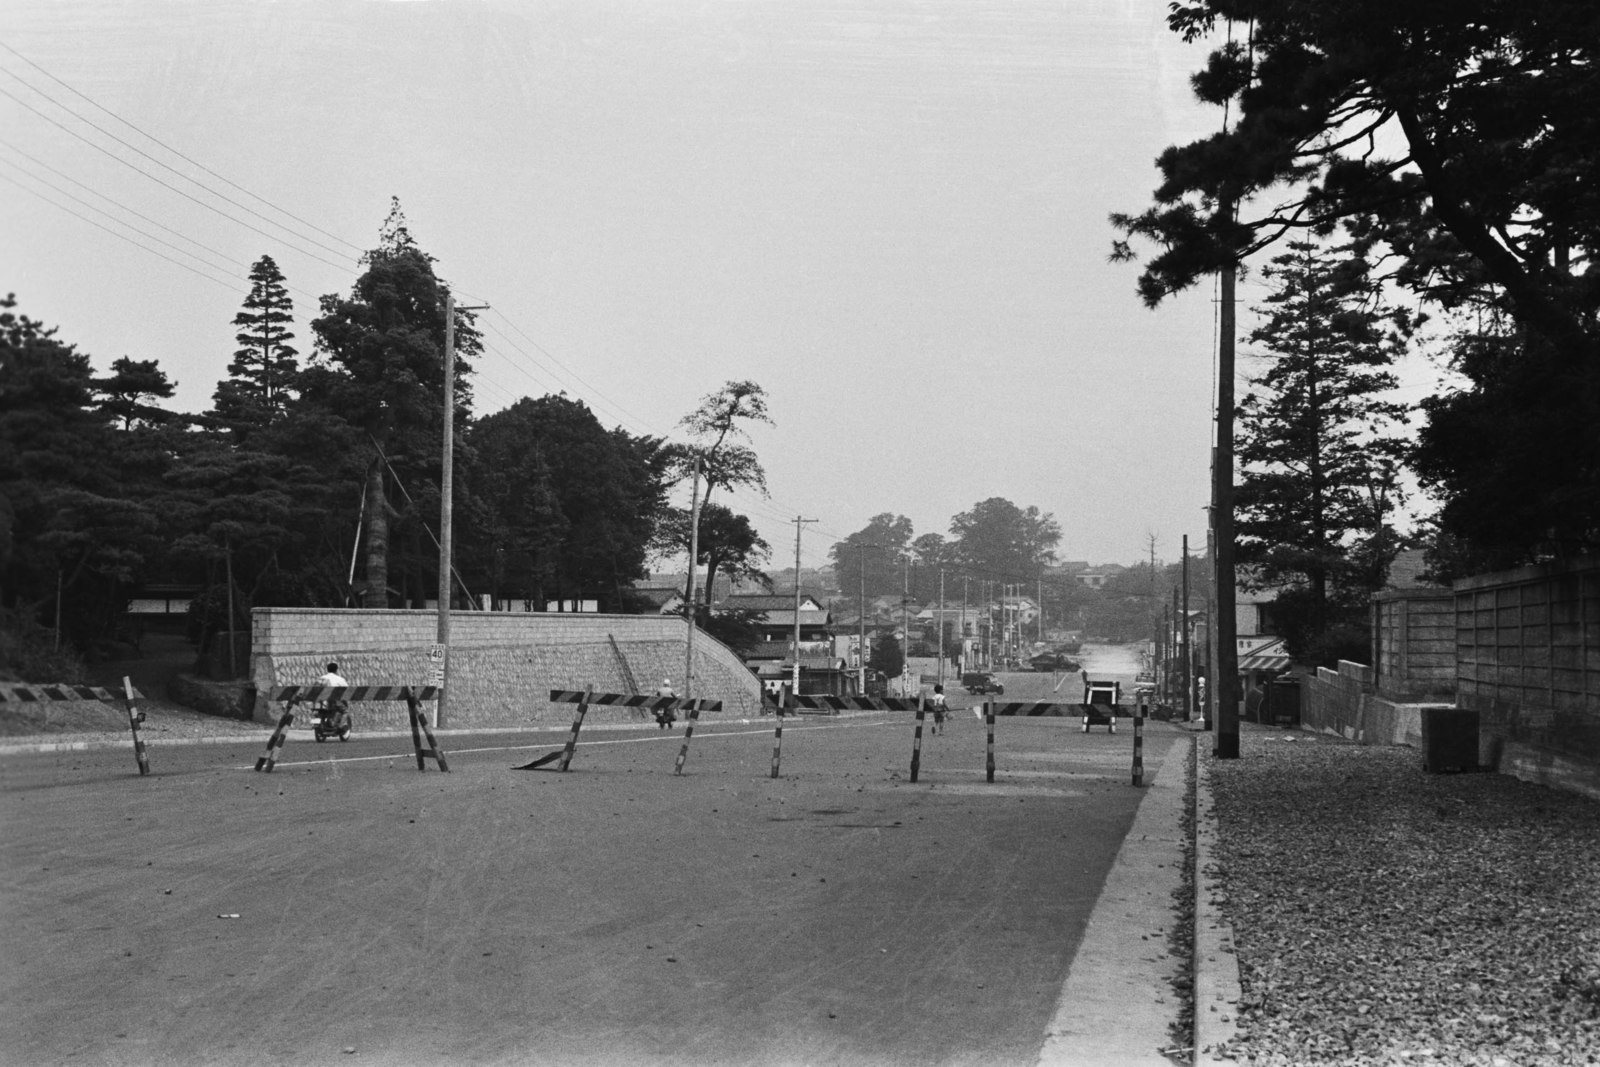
column 963, row 632
column 799, row 524
column 861, row 621
column 694, row 553
column 905, row 619
column 940, row 628
column 1188, row 656
column 446, row 496
column 1225, row 685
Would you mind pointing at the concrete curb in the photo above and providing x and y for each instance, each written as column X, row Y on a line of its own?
column 1217, row 988
column 1117, row 1005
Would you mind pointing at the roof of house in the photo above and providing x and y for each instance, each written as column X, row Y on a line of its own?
column 771, row 602
column 785, row 618
column 658, row 594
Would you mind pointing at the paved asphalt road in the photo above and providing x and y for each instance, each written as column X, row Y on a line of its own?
column 350, row 909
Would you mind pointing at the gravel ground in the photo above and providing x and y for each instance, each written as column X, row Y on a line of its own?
column 1385, row 916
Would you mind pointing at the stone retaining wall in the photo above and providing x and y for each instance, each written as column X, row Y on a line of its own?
column 1345, row 703
column 502, row 664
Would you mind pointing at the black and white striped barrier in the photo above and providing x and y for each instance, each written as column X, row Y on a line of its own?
column 850, row 703
column 269, row 759
column 1138, row 743
column 988, row 758
column 916, row 744
column 1031, row 708
column 585, row 699
column 33, row 694
column 135, row 717
column 413, row 695
column 695, row 707
column 777, row 731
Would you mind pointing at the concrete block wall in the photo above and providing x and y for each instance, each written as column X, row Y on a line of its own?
column 1528, row 656
column 1344, row 702
column 1414, row 644
column 502, row 664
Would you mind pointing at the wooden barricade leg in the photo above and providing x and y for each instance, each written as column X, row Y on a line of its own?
column 420, row 723
column 777, row 733
column 577, row 724
column 1138, row 743
column 688, row 732
column 916, row 741
column 416, row 727
column 269, row 759
column 988, row 721
column 135, row 717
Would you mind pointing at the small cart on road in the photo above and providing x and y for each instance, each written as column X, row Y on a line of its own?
column 1100, row 701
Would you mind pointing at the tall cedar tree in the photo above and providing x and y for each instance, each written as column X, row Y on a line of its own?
column 1480, row 202
column 264, row 368
column 1316, row 436
column 382, row 349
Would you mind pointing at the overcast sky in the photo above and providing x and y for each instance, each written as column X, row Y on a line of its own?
column 892, row 214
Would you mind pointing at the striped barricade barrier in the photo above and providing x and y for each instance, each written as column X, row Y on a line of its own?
column 1032, row 708
column 803, row 703
column 413, row 695
column 793, row 705
column 586, row 699
column 32, row 694
column 916, row 744
column 695, row 707
column 1138, row 737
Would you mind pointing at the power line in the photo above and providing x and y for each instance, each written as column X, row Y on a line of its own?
column 155, row 140
column 171, row 188
column 34, row 192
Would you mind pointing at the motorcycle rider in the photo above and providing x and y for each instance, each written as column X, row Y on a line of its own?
column 338, row 710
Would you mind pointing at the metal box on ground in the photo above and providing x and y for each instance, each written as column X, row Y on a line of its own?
column 1449, row 739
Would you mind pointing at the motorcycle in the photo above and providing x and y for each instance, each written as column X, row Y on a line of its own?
column 330, row 719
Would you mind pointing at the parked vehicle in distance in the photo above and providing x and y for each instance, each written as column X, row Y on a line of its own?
column 977, row 682
column 1054, row 661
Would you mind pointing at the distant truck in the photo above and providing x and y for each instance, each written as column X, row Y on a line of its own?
column 977, row 682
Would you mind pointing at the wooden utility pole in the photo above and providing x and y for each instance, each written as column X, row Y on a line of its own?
column 1225, row 686
column 963, row 634
column 446, row 498
column 940, row 628
column 1184, row 642
column 799, row 524
column 694, row 554
column 861, row 620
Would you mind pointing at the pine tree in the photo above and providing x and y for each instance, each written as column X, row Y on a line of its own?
column 380, row 368
column 1316, row 446
column 262, row 374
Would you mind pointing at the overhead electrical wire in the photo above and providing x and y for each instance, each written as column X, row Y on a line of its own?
column 146, row 174
column 114, row 233
column 232, row 184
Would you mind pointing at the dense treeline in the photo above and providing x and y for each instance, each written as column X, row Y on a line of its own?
column 1453, row 148
column 310, row 481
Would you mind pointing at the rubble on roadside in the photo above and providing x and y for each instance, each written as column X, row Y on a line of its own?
column 1384, row 915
